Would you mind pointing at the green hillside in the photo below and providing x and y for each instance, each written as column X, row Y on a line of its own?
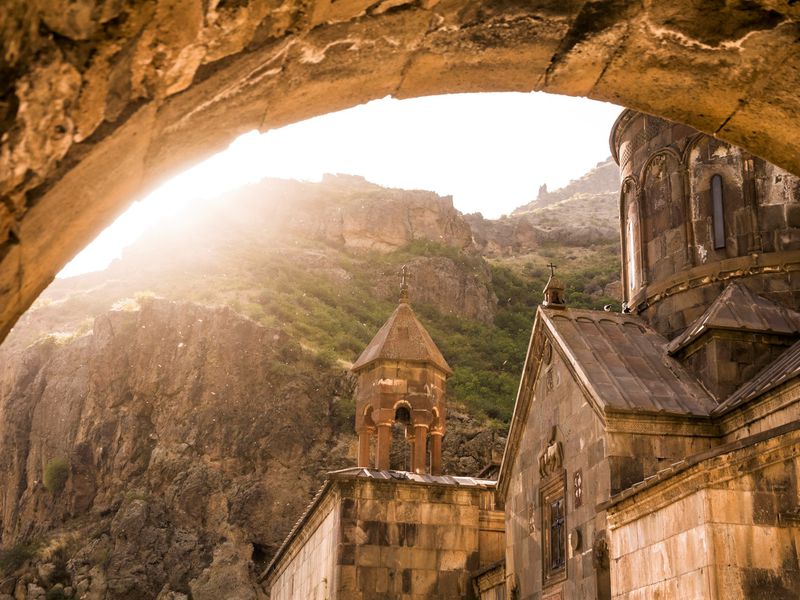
column 324, row 294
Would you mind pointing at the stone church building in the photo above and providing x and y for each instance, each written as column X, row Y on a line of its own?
column 653, row 453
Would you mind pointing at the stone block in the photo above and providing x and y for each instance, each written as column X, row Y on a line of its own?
column 407, row 511
column 695, row 584
column 347, row 578
column 412, row 493
column 372, row 510
column 346, row 554
column 377, row 532
column 452, row 560
column 373, row 579
column 368, row 556
column 449, row 585
column 772, row 217
column 423, row 582
column 427, row 536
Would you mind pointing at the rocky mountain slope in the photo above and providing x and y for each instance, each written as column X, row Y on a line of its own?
column 164, row 422
column 185, row 442
column 584, row 213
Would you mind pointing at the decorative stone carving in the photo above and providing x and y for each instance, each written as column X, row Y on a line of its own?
column 551, row 459
column 575, row 539
column 577, row 488
column 600, row 551
column 531, row 518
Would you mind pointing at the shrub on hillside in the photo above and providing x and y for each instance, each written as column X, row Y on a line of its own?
column 55, row 475
column 14, row 557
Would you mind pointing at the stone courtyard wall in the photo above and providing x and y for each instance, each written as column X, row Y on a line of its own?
column 308, row 572
column 400, row 539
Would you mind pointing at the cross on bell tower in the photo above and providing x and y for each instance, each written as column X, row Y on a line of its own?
column 402, row 378
column 554, row 290
column 404, row 276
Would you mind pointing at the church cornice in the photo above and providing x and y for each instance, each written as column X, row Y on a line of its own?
column 721, row 464
column 719, row 271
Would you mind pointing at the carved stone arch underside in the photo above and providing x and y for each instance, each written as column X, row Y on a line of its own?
column 85, row 146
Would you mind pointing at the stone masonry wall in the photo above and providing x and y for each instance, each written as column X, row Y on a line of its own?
column 558, row 401
column 674, row 271
column 400, row 539
column 309, row 574
column 725, row 528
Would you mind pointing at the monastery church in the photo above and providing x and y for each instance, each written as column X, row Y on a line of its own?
column 652, row 453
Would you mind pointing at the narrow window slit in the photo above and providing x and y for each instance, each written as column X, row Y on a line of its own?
column 718, row 212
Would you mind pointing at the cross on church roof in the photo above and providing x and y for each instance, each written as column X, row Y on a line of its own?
column 404, row 275
column 552, row 269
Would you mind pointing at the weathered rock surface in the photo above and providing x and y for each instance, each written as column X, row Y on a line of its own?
column 100, row 99
column 359, row 215
column 603, row 179
column 453, row 288
column 582, row 213
column 194, row 438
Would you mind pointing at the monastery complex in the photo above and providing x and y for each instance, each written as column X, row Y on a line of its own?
column 652, row 453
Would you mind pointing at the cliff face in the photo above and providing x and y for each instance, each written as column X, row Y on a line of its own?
column 604, row 178
column 192, row 438
column 580, row 214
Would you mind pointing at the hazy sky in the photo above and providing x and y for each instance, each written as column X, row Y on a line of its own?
column 491, row 152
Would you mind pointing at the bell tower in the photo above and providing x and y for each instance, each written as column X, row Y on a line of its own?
column 402, row 378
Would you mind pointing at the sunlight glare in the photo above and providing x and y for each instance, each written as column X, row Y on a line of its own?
column 489, row 151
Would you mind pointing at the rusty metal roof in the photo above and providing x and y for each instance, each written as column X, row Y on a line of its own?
column 786, row 367
column 738, row 308
column 402, row 337
column 454, row 480
column 623, row 363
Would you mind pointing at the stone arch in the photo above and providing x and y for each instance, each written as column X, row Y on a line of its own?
column 98, row 132
column 402, row 448
column 436, row 421
column 663, row 217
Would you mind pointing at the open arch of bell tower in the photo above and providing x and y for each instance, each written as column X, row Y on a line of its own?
column 402, row 380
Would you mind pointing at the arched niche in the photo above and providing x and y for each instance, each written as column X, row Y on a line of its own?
column 722, row 200
column 630, row 218
column 664, row 216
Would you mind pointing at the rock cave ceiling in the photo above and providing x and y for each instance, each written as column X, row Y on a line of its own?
column 101, row 100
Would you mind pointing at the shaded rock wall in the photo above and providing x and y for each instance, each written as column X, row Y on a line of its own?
column 194, row 439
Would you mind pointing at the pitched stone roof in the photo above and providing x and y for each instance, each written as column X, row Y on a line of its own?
column 786, row 367
column 623, row 363
column 402, row 337
column 738, row 308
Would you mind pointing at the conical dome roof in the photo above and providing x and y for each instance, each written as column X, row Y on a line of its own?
column 402, row 337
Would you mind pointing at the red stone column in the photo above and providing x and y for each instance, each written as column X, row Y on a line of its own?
column 364, row 438
column 384, row 446
column 410, row 438
column 420, row 437
column 436, row 452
